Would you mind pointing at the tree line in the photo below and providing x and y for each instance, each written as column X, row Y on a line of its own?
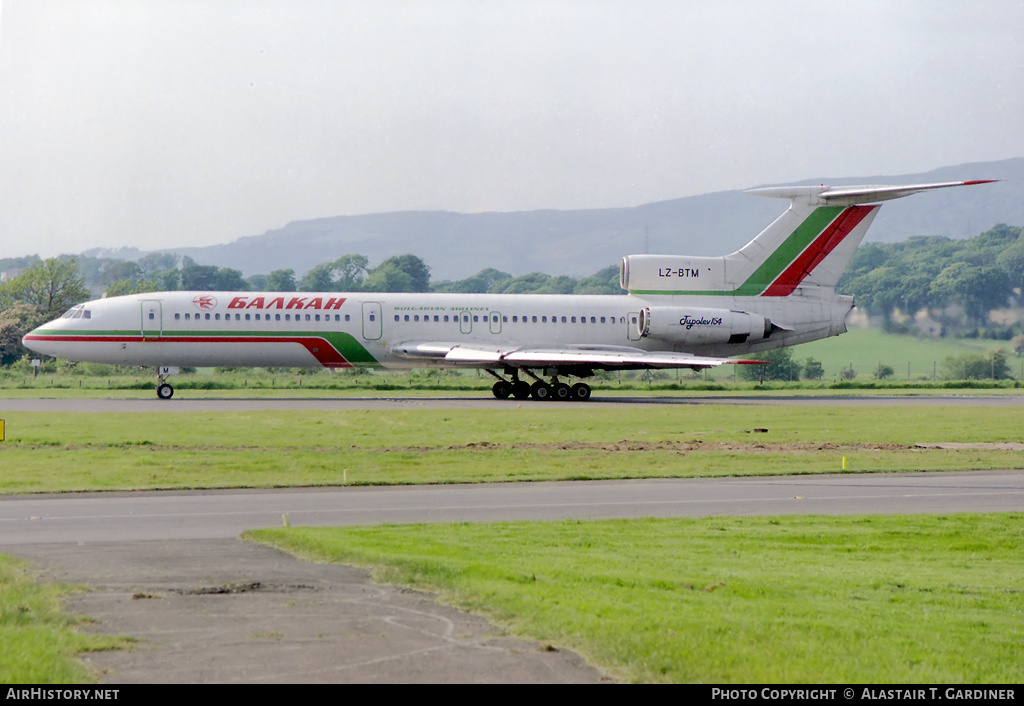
column 46, row 289
column 958, row 282
column 349, row 273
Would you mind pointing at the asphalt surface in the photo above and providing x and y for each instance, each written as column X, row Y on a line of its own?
column 85, row 518
column 227, row 611
column 183, row 403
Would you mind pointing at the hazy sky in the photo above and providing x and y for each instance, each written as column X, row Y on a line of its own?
column 167, row 123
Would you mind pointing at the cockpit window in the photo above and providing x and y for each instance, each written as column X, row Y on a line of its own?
column 77, row 312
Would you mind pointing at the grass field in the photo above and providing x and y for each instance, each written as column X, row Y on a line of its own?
column 917, row 599
column 60, row 452
column 865, row 349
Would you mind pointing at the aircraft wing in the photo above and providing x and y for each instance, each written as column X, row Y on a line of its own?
column 576, row 356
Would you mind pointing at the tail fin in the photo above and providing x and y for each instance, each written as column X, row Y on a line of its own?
column 810, row 245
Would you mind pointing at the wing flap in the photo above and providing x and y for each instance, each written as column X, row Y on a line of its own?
column 597, row 357
column 523, row 357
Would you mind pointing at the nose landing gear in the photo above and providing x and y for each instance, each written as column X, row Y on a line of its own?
column 163, row 389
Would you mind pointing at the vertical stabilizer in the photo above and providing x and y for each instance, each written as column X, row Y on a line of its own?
column 810, row 245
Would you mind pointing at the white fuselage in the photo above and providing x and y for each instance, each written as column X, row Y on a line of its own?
column 302, row 329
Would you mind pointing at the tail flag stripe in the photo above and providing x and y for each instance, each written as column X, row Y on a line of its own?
column 797, row 242
column 823, row 245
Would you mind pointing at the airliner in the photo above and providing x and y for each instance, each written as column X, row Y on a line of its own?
column 680, row 312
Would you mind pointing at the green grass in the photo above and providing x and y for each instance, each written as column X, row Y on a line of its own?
column 58, row 452
column 865, row 349
column 38, row 644
column 915, row 599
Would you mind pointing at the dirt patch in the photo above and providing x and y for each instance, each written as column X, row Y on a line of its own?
column 623, row 446
column 981, row 446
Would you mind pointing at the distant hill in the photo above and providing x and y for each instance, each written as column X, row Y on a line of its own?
column 578, row 243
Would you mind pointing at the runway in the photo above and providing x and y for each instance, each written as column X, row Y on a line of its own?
column 172, row 515
column 183, row 403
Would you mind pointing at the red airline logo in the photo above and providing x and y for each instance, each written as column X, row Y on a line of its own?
column 288, row 302
column 205, row 302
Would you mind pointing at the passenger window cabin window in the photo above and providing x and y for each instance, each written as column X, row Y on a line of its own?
column 207, row 317
column 563, row 319
column 396, row 317
column 573, row 319
column 188, row 317
column 475, row 318
column 416, row 318
column 177, row 317
column 348, row 317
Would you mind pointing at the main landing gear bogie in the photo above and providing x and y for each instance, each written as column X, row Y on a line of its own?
column 539, row 390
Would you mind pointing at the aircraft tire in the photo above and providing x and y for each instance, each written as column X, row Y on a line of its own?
column 502, row 389
column 560, row 391
column 580, row 392
column 521, row 390
column 164, row 391
column 540, row 391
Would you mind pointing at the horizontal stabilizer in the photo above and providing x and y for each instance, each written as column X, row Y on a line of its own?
column 853, row 195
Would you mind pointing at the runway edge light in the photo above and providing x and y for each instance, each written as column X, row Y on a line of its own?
column 1, row 429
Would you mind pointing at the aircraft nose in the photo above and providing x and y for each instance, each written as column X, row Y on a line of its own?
column 35, row 341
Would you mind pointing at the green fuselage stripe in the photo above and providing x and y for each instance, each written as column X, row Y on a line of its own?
column 346, row 344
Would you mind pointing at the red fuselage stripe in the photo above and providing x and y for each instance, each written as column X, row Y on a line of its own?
column 326, row 354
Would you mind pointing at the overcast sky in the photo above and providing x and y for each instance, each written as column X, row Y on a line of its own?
column 168, row 123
